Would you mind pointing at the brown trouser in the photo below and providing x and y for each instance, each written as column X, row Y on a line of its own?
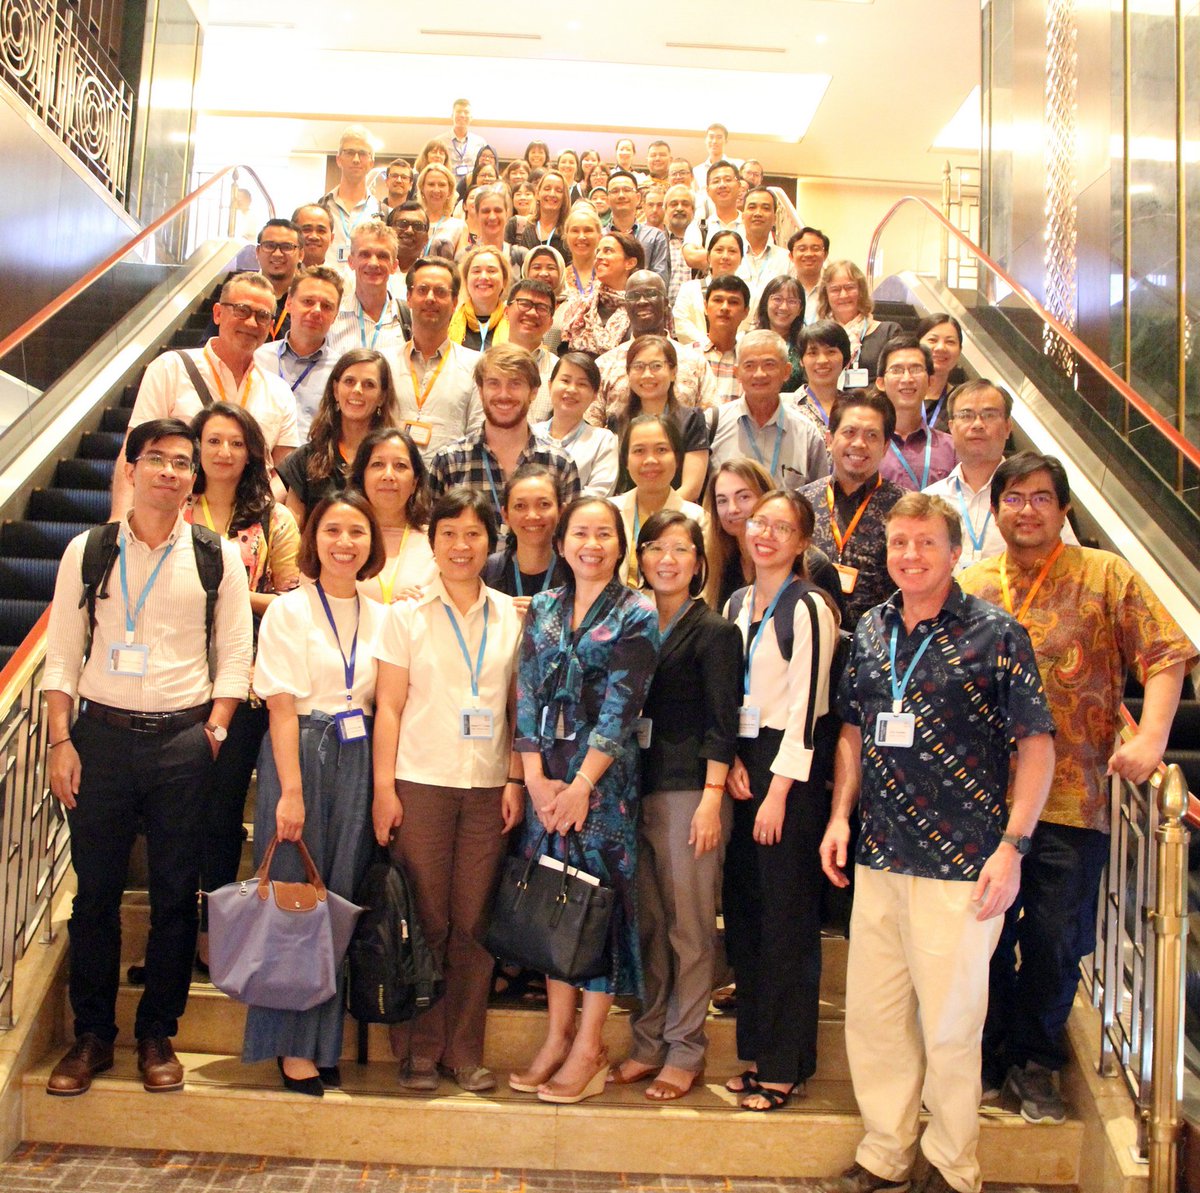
column 450, row 845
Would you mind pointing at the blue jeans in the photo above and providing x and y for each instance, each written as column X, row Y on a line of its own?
column 1053, row 921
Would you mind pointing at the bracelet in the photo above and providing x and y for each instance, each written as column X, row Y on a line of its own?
column 714, row 786
column 515, row 782
column 61, row 742
column 591, row 785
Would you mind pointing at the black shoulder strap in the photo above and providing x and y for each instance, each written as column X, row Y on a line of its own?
column 735, row 604
column 99, row 554
column 810, row 714
column 210, row 564
column 198, row 382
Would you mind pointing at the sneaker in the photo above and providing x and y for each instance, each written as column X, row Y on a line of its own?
column 1036, row 1087
column 857, row 1179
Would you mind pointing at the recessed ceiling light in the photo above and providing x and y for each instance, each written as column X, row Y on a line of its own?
column 707, row 45
column 821, row 38
column 480, row 33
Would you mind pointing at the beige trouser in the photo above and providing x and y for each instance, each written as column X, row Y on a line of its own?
column 916, row 997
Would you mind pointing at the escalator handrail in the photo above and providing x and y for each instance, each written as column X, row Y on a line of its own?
column 94, row 274
column 1131, row 397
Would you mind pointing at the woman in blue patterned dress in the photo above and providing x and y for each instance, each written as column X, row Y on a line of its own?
column 587, row 658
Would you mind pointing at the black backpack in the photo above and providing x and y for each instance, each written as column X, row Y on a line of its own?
column 393, row 974
column 100, row 554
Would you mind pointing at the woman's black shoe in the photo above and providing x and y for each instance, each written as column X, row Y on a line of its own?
column 312, row 1086
column 331, row 1077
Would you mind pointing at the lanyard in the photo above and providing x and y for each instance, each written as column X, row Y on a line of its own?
column 477, row 670
column 545, row 582
column 762, row 625
column 279, row 322
column 677, row 616
column 131, row 617
column 247, row 381
column 347, row 664
column 388, row 586
column 579, row 282
column 485, row 325
column 420, row 395
column 976, row 539
column 842, row 539
column 312, row 364
column 908, row 467
column 1006, row 592
column 537, row 231
column 487, row 467
column 345, row 221
column 362, row 327
column 898, row 686
column 774, row 469
column 926, row 417
column 206, row 514
column 812, row 397
column 862, row 335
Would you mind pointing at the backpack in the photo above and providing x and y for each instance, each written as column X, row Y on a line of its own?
column 100, row 554
column 393, row 974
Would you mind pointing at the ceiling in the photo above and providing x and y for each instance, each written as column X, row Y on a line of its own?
column 840, row 89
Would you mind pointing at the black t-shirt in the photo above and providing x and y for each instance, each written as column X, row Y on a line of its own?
column 294, row 473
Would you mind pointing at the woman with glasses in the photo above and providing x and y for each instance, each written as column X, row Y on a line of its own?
column 772, row 880
column 942, row 335
column 688, row 739
column 843, row 295
column 725, row 252
column 781, row 310
column 484, row 172
column 574, row 384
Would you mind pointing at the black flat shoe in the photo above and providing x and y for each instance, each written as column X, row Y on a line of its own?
column 312, row 1086
column 331, row 1076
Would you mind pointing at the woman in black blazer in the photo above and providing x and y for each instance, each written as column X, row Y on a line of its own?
column 688, row 735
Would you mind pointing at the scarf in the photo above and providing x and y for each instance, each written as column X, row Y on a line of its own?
column 585, row 330
column 465, row 318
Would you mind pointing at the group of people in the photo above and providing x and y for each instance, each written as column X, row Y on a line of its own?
column 722, row 621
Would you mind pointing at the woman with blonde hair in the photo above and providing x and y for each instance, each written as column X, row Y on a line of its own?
column 843, row 295
column 436, row 193
column 480, row 320
column 551, row 213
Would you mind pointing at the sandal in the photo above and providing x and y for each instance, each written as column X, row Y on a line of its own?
column 748, row 1079
column 616, row 1077
column 776, row 1098
column 667, row 1091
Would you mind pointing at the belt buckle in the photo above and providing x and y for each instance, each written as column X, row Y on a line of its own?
column 145, row 722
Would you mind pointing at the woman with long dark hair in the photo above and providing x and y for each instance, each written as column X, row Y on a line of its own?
column 781, row 310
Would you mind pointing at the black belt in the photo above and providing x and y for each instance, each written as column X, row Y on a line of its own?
column 144, row 722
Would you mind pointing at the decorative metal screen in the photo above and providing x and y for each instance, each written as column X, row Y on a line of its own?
column 53, row 62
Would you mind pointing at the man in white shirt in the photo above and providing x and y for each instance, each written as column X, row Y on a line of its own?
column 303, row 357
column 350, row 202
column 764, row 259
column 223, row 370
column 723, row 195
column 808, row 249
column 530, row 314
column 762, row 427
column 370, row 317
column 434, row 378
column 463, row 144
column 623, row 204
column 715, row 137
column 316, row 232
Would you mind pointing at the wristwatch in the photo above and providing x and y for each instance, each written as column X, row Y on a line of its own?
column 220, row 733
column 1021, row 844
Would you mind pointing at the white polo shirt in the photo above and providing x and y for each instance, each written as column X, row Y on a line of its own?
column 437, row 398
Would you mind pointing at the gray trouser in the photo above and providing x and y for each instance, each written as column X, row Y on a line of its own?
column 677, row 923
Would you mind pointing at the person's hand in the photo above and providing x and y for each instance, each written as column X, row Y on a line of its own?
column 410, row 592
column 542, row 793
column 768, row 823
column 705, row 831
column 998, row 883
column 387, row 814
column 213, row 744
column 835, row 847
column 738, row 781
column 521, row 605
column 65, row 773
column 1136, row 759
column 570, row 806
column 512, row 806
column 289, row 817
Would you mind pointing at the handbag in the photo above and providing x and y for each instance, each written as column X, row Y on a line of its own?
column 554, row 921
column 278, row 944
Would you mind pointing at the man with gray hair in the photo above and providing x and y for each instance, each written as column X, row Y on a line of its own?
column 788, row 445
column 680, row 208
column 350, row 202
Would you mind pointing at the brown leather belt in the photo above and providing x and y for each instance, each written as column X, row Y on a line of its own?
column 144, row 722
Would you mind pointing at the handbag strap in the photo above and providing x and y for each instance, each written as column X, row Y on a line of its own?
column 569, row 836
column 310, row 869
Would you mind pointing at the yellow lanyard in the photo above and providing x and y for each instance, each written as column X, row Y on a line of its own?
column 387, row 586
column 1006, row 592
column 419, row 394
column 838, row 537
column 206, row 514
column 243, row 390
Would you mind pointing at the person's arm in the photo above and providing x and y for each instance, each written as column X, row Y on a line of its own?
column 1138, row 758
column 391, row 694
column 222, row 712
column 285, row 747
column 602, row 477
column 279, row 453
column 512, row 799
column 122, row 490
column 720, row 681
column 658, row 257
column 233, row 631
column 847, row 783
column 65, row 767
column 296, row 507
column 695, row 469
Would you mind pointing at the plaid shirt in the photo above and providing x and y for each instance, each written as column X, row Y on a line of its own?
column 724, row 369
column 681, row 271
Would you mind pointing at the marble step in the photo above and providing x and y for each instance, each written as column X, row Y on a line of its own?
column 230, row 1107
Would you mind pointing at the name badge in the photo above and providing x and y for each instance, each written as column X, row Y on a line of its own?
column 748, row 717
column 645, row 729
column 476, row 723
column 343, row 253
column 896, row 729
column 133, row 658
column 560, row 729
column 847, row 577
column 420, row 433
column 351, row 725
column 854, row 378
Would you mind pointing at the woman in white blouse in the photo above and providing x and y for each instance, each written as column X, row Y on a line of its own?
column 316, row 671
column 574, row 384
column 445, row 795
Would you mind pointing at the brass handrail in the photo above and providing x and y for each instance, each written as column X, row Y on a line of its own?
column 77, row 287
column 1130, row 396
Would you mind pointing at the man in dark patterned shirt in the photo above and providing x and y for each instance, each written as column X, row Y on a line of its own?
column 851, row 504
column 939, row 690
column 507, row 378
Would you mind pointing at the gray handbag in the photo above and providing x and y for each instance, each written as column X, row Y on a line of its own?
column 279, row 944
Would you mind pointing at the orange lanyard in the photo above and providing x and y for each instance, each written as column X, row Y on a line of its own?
column 838, row 537
column 244, row 389
column 1006, row 592
column 419, row 394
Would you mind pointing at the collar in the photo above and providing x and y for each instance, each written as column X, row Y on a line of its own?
column 313, row 356
column 436, row 591
column 131, row 534
column 956, row 474
column 855, row 498
column 410, row 350
column 709, row 346
column 892, row 609
column 917, row 436
column 779, row 419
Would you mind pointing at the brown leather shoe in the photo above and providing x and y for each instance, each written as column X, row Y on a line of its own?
column 73, row 1074
column 158, row 1065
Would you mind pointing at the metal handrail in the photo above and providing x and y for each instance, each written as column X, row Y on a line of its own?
column 77, row 287
column 1130, row 396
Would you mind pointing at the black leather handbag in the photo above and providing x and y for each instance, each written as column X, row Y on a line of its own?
column 551, row 918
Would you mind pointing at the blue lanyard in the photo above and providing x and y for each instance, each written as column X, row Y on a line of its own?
column 347, row 664
column 362, row 327
column 345, row 222
column 774, row 469
column 487, row 467
column 924, row 481
column 476, row 671
column 677, row 617
column 899, row 686
column 925, row 417
column 485, row 325
column 579, row 282
column 131, row 618
column 312, row 364
column 762, row 629
column 812, row 397
column 976, row 540
column 546, row 580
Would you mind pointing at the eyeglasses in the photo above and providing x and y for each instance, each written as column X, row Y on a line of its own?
column 969, row 416
column 440, row 292
column 905, row 371
column 657, row 550
column 411, row 226
column 527, row 305
column 274, row 246
column 775, row 530
column 648, row 366
column 848, row 288
column 1041, row 502
column 243, row 310
column 642, row 295
column 156, row 461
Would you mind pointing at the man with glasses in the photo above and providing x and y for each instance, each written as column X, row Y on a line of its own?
column 279, row 253
column 316, row 230
column 156, row 695
column 1093, row 621
column 399, row 180
column 722, row 189
column 530, row 314
column 411, row 225
column 917, row 455
column 808, row 250
column 464, row 145
column 182, row 381
column 350, row 202
column 623, row 199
